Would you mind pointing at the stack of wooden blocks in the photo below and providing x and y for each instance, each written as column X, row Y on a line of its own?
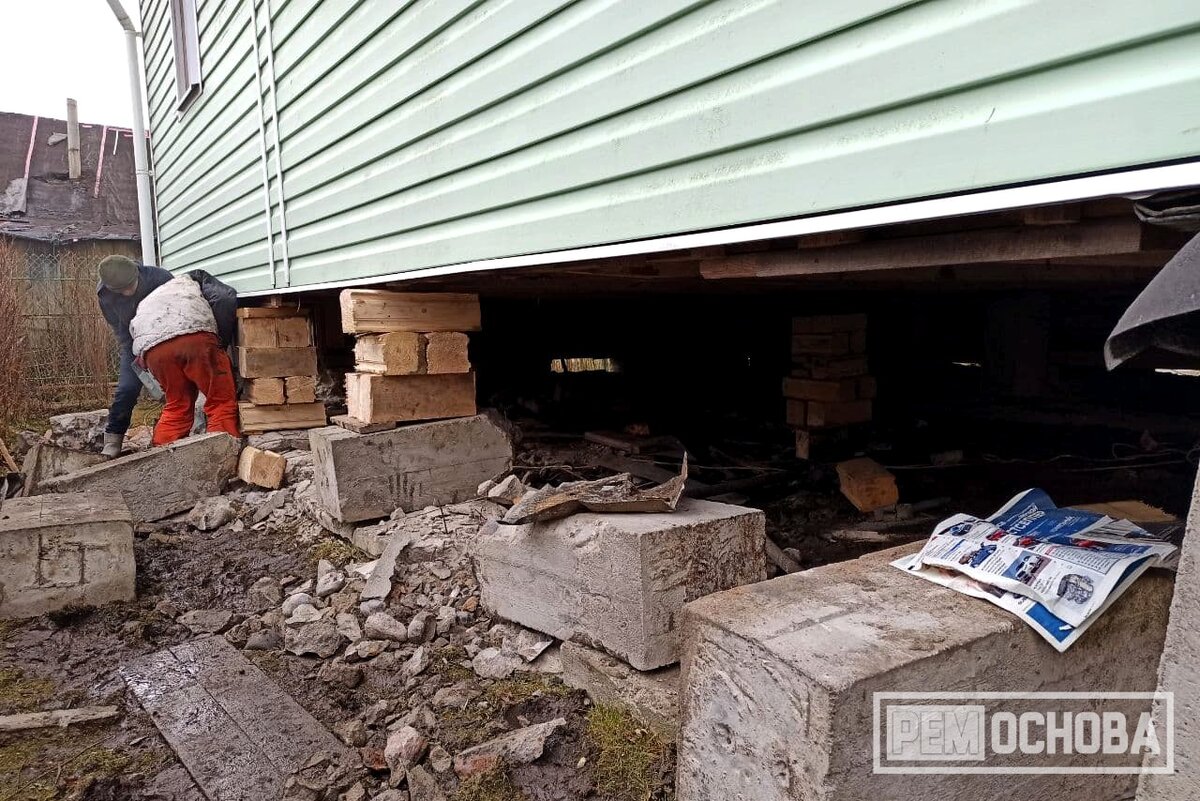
column 277, row 358
column 411, row 359
column 829, row 389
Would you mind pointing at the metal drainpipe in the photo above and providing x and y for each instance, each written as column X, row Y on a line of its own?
column 141, row 160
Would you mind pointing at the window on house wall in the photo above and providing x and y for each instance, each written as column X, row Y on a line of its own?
column 187, row 52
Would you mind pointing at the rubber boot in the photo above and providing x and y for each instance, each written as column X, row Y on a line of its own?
column 112, row 445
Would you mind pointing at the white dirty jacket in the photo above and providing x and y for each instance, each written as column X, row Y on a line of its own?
column 176, row 308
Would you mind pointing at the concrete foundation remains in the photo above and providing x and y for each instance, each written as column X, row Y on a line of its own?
column 55, row 551
column 618, row 581
column 779, row 683
column 45, row 461
column 160, row 482
column 652, row 695
column 368, row 476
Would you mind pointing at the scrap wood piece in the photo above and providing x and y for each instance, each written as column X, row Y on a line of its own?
column 58, row 717
column 867, row 484
column 238, row 734
column 8, row 460
column 643, row 468
column 630, row 443
column 777, row 557
column 614, row 494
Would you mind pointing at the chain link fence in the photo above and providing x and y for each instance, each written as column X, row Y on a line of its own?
column 58, row 353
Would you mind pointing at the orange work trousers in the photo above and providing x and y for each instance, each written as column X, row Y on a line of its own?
column 187, row 365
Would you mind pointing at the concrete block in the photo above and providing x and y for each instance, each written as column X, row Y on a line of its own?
column 61, row 550
column 367, row 476
column 160, row 482
column 45, row 461
column 617, row 581
column 652, row 695
column 779, row 681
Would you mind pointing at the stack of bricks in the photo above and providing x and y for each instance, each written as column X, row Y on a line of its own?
column 411, row 360
column 277, row 358
column 829, row 389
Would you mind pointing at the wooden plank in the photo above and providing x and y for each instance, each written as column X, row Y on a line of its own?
column 833, row 344
column 256, row 312
column 797, row 413
column 1107, row 237
column 261, row 468
column 276, row 362
column 824, row 369
column 397, row 353
column 829, row 323
column 274, row 332
column 237, row 733
column 265, row 391
column 57, row 717
column 300, row 389
column 256, row 419
column 821, row 415
column 446, row 352
column 377, row 398
column 845, row 389
column 379, row 311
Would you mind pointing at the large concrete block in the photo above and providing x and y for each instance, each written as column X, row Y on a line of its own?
column 778, row 681
column 617, row 581
column 160, row 482
column 62, row 550
column 367, row 476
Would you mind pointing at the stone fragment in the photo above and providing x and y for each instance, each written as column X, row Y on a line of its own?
column 160, row 482
column 492, row 663
column 304, row 613
column 779, row 681
column 440, row 759
column 365, row 476
column 352, row 732
column 206, row 621
column 61, row 550
column 295, row 600
column 653, row 696
column 418, row 662
column 347, row 626
column 422, row 786
column 379, row 585
column 382, row 626
column 421, row 627
column 372, row 606
column 336, row 671
column 320, row 639
column 390, row 795
column 280, row 441
column 404, row 748
column 485, row 487
column 330, row 583
column 209, row 514
column 264, row 640
column 374, row 714
column 518, row 747
column 79, row 431
column 507, row 491
column 619, row 580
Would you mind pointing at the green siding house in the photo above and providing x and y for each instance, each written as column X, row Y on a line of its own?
column 301, row 143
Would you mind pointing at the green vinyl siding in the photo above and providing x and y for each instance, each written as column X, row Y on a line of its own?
column 423, row 133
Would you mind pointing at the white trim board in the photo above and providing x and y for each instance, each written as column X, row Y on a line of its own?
column 1126, row 183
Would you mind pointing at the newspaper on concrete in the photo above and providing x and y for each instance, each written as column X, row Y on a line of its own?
column 1057, row 569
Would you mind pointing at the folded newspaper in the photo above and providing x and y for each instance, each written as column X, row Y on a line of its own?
column 1057, row 569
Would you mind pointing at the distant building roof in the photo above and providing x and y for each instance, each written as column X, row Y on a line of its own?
column 43, row 203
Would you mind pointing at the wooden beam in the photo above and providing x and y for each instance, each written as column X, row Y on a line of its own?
column 1023, row 244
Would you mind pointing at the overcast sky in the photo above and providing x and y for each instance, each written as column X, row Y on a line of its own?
column 55, row 49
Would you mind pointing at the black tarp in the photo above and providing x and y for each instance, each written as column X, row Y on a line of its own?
column 1164, row 315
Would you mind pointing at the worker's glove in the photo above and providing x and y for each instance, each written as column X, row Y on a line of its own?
column 112, row 445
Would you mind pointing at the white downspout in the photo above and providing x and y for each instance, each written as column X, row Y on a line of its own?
column 141, row 160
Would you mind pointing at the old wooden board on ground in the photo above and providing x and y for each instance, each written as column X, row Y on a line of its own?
column 237, row 733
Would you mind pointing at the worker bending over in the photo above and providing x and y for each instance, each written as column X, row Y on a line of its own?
column 178, row 328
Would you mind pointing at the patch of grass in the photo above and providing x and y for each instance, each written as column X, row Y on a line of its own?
column 445, row 663
column 339, row 552
column 629, row 759
column 495, row 785
column 51, row 764
column 19, row 694
column 459, row 729
column 523, row 686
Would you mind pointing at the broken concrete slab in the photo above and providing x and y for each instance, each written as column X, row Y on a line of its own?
column 73, row 549
column 519, row 747
column 618, row 581
column 367, row 476
column 239, row 735
column 653, row 696
column 46, row 460
column 160, row 482
column 779, row 680
column 79, row 430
